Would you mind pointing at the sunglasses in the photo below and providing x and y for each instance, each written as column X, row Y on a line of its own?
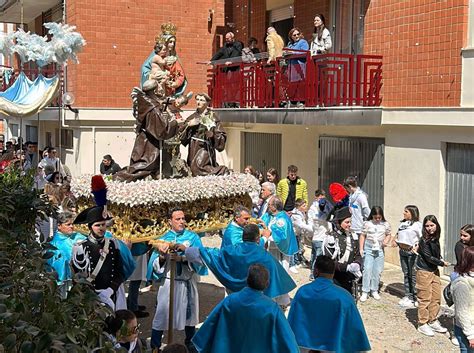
column 295, row 34
column 135, row 330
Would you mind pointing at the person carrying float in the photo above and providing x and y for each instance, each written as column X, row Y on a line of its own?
column 186, row 276
column 230, row 264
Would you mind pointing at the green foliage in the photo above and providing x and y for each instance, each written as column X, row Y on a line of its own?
column 33, row 318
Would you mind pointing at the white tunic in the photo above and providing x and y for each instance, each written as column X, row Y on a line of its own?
column 186, row 297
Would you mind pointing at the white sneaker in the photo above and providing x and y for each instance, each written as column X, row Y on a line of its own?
column 364, row 297
column 293, row 269
column 426, row 330
column 415, row 303
column 375, row 295
column 406, row 303
column 455, row 341
column 436, row 326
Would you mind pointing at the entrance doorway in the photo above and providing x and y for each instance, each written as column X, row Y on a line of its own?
column 340, row 157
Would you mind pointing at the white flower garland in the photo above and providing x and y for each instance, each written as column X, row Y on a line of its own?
column 155, row 192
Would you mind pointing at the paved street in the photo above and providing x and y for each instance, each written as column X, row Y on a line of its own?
column 390, row 328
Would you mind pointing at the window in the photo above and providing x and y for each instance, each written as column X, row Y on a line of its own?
column 66, row 140
column 31, row 133
column 348, row 26
column 14, row 129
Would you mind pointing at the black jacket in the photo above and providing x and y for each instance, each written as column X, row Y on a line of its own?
column 429, row 255
column 228, row 51
column 109, row 170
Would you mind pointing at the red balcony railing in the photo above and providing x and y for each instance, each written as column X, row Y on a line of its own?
column 320, row 80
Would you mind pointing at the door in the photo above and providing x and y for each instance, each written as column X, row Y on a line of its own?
column 340, row 157
column 348, row 26
column 261, row 150
column 459, row 194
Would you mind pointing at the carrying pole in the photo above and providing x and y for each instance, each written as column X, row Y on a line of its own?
column 172, row 265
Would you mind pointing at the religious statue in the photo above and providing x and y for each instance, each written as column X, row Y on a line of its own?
column 164, row 58
column 204, row 134
column 155, row 123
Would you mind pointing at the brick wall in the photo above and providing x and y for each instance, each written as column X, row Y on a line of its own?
column 420, row 42
column 120, row 36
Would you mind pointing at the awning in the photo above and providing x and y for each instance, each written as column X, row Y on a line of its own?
column 26, row 97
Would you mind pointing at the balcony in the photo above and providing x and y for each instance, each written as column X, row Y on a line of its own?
column 328, row 80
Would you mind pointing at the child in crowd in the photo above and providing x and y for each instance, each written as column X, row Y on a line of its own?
column 317, row 216
column 302, row 227
column 428, row 282
column 376, row 234
column 407, row 238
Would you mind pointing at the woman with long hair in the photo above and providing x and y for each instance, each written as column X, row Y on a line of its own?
column 466, row 238
column 272, row 176
column 407, row 238
column 462, row 289
column 321, row 42
column 374, row 237
column 428, row 282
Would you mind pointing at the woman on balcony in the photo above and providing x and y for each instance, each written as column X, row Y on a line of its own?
column 321, row 36
column 296, row 67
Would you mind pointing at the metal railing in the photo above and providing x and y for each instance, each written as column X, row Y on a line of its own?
column 313, row 81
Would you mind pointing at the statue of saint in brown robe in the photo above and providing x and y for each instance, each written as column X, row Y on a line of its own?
column 204, row 135
column 154, row 124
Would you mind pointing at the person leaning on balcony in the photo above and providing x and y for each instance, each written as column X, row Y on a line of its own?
column 231, row 49
column 321, row 42
column 275, row 44
column 297, row 66
column 108, row 166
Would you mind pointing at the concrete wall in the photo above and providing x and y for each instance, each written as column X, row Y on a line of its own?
column 414, row 161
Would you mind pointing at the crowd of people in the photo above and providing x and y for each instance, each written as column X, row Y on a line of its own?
column 261, row 249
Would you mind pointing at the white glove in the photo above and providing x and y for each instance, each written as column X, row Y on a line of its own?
column 105, row 297
column 354, row 268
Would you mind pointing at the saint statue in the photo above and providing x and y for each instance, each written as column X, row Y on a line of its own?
column 155, row 123
column 204, row 134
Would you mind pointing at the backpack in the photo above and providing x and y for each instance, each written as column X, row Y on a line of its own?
column 448, row 296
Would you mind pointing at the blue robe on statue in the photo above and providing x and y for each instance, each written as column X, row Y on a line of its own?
column 324, row 317
column 246, row 321
column 128, row 261
column 282, row 232
column 186, row 237
column 230, row 265
column 146, row 68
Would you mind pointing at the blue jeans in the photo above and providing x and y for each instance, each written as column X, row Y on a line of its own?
column 463, row 341
column 407, row 262
column 316, row 250
column 373, row 267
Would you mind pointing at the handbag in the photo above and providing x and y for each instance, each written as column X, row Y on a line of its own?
column 448, row 296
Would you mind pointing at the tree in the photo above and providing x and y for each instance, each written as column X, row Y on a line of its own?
column 33, row 318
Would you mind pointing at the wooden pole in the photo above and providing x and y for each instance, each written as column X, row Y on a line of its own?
column 172, row 264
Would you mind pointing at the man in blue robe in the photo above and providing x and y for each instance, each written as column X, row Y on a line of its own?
column 324, row 316
column 186, row 296
column 281, row 236
column 247, row 321
column 63, row 240
column 230, row 264
column 233, row 233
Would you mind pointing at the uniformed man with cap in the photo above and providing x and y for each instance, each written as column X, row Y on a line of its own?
column 98, row 257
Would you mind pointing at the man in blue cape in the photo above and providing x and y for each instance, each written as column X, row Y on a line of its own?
column 186, row 296
column 230, row 264
column 247, row 321
column 233, row 233
column 324, row 316
column 63, row 240
column 282, row 242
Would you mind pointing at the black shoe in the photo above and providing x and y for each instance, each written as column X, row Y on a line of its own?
column 141, row 314
column 141, row 308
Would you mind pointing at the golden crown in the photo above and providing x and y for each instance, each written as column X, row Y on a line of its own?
column 169, row 29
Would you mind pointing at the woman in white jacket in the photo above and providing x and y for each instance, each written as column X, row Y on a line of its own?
column 321, row 42
column 462, row 289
